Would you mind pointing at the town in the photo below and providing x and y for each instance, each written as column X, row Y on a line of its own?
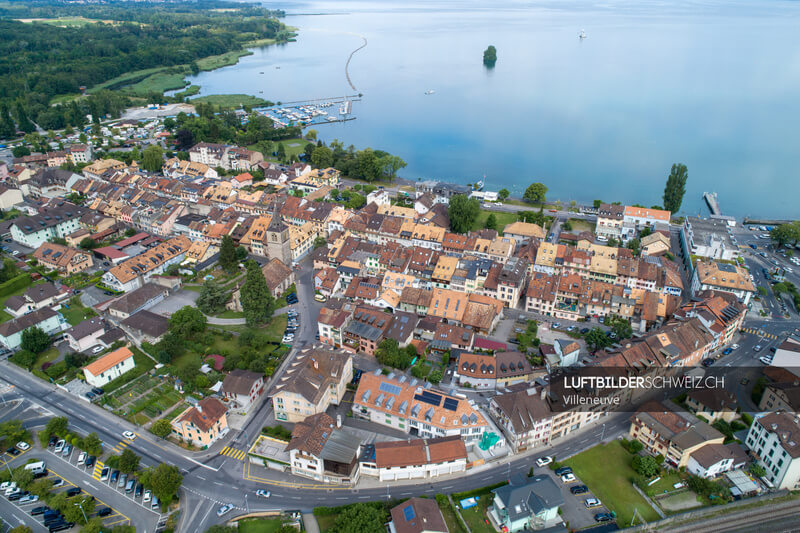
column 212, row 337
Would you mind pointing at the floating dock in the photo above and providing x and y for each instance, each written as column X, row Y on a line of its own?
column 310, row 112
column 711, row 202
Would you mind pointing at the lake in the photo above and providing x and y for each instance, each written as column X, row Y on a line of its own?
column 713, row 84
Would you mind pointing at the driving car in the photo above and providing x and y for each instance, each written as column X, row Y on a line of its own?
column 544, row 461
column 726, row 351
column 224, row 509
column 130, row 435
column 757, row 348
column 263, row 493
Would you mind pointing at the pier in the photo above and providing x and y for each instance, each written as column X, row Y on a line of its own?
column 310, row 112
column 711, row 202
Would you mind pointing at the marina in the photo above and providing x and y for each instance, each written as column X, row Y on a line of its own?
column 311, row 112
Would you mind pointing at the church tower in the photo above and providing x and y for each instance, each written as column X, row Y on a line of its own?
column 277, row 239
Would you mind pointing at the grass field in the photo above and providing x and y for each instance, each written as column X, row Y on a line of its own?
column 231, row 100
column 222, row 60
column 325, row 522
column 607, row 472
column 263, row 525
column 503, row 219
column 127, row 78
column 158, row 83
column 579, row 225
column 231, row 314
column 453, row 524
column 46, row 356
column 76, row 315
column 292, row 147
column 475, row 517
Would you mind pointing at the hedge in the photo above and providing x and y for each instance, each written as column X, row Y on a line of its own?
column 14, row 284
column 478, row 492
column 328, row 511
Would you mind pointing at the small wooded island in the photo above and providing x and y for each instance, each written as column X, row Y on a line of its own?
column 490, row 56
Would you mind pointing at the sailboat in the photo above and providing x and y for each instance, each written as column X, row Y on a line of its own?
column 430, row 91
column 582, row 35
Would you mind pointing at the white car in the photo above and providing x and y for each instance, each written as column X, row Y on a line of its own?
column 59, row 446
column 765, row 360
column 11, row 489
column 224, row 509
column 734, row 346
column 263, row 493
column 147, row 496
column 82, row 458
column 30, row 498
column 544, row 461
column 23, row 446
column 568, row 478
column 130, row 435
column 97, row 349
column 287, row 339
column 592, row 502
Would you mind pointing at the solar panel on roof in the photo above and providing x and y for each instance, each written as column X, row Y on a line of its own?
column 388, row 387
column 451, row 404
column 408, row 513
column 429, row 398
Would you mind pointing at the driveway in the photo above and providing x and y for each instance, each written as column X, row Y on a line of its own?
column 573, row 512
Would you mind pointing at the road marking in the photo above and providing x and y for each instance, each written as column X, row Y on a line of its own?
column 239, row 455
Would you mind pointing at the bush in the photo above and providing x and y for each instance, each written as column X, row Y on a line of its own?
column 278, row 432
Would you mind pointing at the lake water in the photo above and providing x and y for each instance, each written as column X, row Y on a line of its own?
column 713, row 84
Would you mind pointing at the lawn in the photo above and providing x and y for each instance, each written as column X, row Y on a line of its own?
column 4, row 317
column 222, row 60
column 450, row 518
column 159, row 82
column 47, row 356
column 503, row 219
column 231, row 100
column 76, row 314
column 665, row 484
column 126, row 79
column 263, row 525
column 579, row 225
column 325, row 522
column 607, row 472
column 277, row 326
column 230, row 314
column 475, row 517
column 292, row 147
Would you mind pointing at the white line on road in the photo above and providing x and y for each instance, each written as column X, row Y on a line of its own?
column 95, row 488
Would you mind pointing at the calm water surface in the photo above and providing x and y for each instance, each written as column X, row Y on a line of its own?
column 712, row 84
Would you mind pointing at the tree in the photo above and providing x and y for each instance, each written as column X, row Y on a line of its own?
column 24, row 358
column 675, row 188
column 503, row 194
column 785, row 234
column 218, row 528
column 490, row 56
column 597, row 203
column 153, row 158
column 88, row 244
column 187, row 322
column 597, row 338
column 56, row 426
column 634, row 245
column 281, row 152
column 255, row 296
column 212, row 298
column 94, row 525
column 35, row 340
column 184, row 139
column 128, row 461
column 463, row 213
column 567, row 225
column 757, row 470
column 75, row 510
column 9, row 270
column 322, row 157
column 646, row 466
column 389, row 353
column 20, row 529
column 491, row 221
column 164, row 480
column 435, row 376
column 227, row 255
column 621, row 327
column 92, row 444
column 319, row 241
column 130, row 232
column 161, row 428
column 360, row 518
column 535, row 193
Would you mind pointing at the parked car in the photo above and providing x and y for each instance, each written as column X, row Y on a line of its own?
column 13, row 451
column 563, row 470
column 97, row 349
column 90, row 461
column 81, row 458
column 15, row 496
column 36, row 511
column 544, row 461
column 98, row 391
column 604, row 517
column 592, row 502
column 765, row 360
column 122, row 480
column 59, row 446
column 568, row 478
column 23, row 446
column 73, row 491
column 104, row 473
column 726, row 351
column 147, row 496
column 114, row 476
column 104, row 511
column 58, row 482
column 708, row 362
column 30, row 498
column 579, row 489
column 138, row 492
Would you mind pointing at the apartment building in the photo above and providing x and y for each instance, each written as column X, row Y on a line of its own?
column 774, row 439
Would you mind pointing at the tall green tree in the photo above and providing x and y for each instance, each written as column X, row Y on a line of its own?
column 322, row 157
column 164, row 480
column 153, row 158
column 535, row 193
column 503, row 193
column 255, row 296
column 491, row 221
column 784, row 234
column 128, row 462
column 187, row 322
column 360, row 518
column 490, row 56
column 35, row 340
column 161, row 428
column 597, row 339
column 463, row 213
column 227, row 255
column 675, row 188
column 281, row 152
column 212, row 298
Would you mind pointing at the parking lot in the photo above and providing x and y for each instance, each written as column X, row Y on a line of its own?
column 117, row 503
column 574, row 511
column 175, row 302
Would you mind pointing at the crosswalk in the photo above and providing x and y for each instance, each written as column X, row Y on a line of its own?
column 121, row 446
column 754, row 331
column 98, row 468
column 233, row 452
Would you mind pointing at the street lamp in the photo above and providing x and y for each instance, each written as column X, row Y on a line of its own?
column 80, row 506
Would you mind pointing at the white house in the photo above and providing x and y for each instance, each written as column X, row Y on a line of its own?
column 415, row 459
column 109, row 367
column 774, row 439
column 86, row 334
column 243, row 387
column 50, row 223
column 320, row 449
column 712, row 460
column 46, row 319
